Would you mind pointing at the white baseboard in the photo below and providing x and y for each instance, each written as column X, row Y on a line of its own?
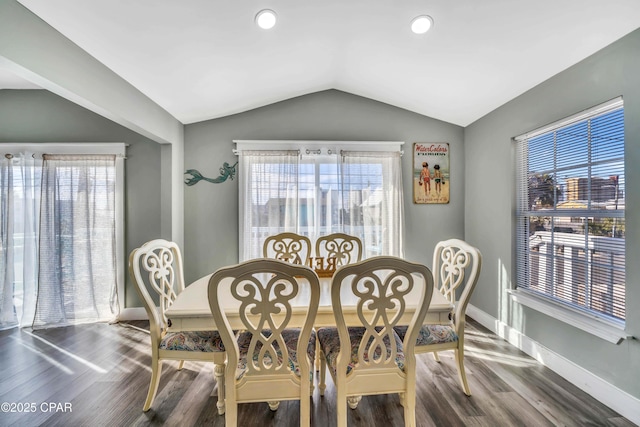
column 618, row 400
column 134, row 313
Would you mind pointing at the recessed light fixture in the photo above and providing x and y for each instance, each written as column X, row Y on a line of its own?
column 421, row 24
column 266, row 19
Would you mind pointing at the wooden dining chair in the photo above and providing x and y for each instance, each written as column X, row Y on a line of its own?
column 156, row 267
column 456, row 266
column 290, row 247
column 371, row 358
column 269, row 359
column 345, row 248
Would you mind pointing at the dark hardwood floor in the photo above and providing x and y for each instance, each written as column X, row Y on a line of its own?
column 98, row 375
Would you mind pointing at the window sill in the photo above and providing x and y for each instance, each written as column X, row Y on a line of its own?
column 610, row 331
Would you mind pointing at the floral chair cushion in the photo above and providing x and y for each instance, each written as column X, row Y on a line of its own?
column 290, row 337
column 205, row 341
column 330, row 345
column 431, row 334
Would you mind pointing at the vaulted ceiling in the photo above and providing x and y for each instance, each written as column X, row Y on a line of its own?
column 203, row 59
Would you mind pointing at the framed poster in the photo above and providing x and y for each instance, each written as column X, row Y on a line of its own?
column 430, row 172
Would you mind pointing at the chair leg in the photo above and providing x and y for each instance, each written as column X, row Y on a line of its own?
column 436, row 357
column 353, row 401
column 274, row 404
column 156, row 371
column 322, row 385
column 181, row 365
column 231, row 414
column 341, row 406
column 305, row 411
column 218, row 372
column 462, row 376
column 410, row 410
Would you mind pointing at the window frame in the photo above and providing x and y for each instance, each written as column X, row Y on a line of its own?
column 601, row 325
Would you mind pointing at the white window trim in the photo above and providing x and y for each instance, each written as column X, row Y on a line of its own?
column 582, row 115
column 608, row 329
column 119, row 150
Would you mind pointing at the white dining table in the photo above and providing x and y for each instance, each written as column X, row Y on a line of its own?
column 190, row 311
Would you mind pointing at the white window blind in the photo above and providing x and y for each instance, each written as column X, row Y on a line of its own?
column 570, row 212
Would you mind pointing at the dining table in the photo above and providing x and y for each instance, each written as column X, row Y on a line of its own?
column 190, row 310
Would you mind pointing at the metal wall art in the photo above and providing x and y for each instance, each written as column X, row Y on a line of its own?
column 226, row 171
column 430, row 172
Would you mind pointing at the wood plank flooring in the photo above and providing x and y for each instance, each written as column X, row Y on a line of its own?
column 98, row 375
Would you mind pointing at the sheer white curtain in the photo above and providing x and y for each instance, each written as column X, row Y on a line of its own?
column 319, row 176
column 372, row 198
column 77, row 262
column 19, row 214
column 313, row 194
column 269, row 197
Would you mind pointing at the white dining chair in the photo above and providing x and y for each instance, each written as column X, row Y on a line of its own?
column 372, row 359
column 156, row 267
column 346, row 249
column 290, row 247
column 456, row 266
column 269, row 360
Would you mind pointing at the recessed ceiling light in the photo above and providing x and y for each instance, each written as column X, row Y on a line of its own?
column 421, row 24
column 266, row 19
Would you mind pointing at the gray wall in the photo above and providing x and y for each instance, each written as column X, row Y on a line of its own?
column 211, row 210
column 40, row 116
column 490, row 191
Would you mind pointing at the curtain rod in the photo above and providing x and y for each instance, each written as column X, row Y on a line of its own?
column 74, row 148
column 236, row 152
column 33, row 155
column 312, row 147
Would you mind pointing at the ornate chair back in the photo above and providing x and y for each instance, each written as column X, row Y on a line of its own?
column 456, row 265
column 289, row 247
column 345, row 248
column 157, row 266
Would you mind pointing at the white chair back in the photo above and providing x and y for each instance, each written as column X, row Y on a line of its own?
column 456, row 265
column 345, row 248
column 290, row 247
column 157, row 266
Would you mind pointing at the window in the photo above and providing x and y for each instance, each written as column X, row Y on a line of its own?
column 61, row 227
column 570, row 212
column 319, row 188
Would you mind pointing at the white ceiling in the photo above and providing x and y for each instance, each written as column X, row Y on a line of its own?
column 203, row 59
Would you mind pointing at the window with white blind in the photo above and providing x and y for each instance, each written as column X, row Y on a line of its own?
column 570, row 228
